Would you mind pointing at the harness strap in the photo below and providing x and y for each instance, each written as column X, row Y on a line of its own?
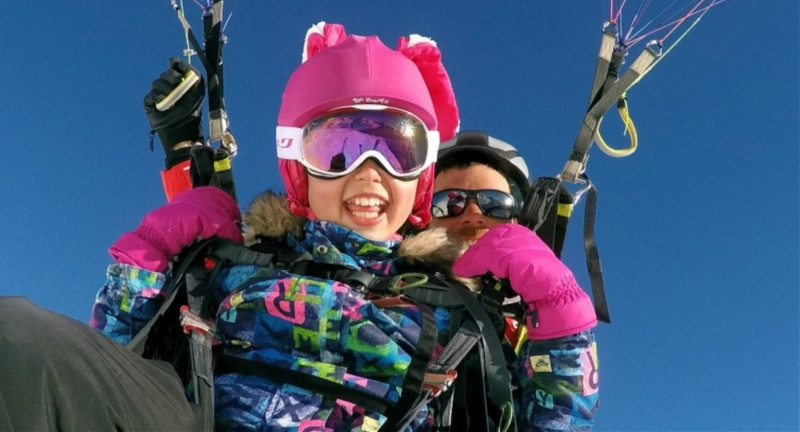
column 237, row 253
column 200, row 339
column 414, row 395
column 606, row 95
column 210, row 54
column 227, row 364
column 211, row 166
column 442, row 373
column 141, row 344
column 214, row 42
column 547, row 210
column 421, row 383
column 593, row 256
column 435, row 296
column 604, row 59
column 459, row 346
column 497, row 378
column 491, row 298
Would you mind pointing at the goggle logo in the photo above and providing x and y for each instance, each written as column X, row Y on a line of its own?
column 284, row 142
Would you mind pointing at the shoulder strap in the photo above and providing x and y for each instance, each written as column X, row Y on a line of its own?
column 497, row 377
column 211, row 166
column 607, row 89
column 142, row 343
column 547, row 210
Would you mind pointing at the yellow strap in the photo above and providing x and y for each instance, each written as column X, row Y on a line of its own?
column 522, row 336
column 630, row 129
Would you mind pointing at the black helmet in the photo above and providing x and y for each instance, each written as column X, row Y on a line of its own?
column 478, row 146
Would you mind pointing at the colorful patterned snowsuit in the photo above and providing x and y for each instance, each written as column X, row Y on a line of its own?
column 323, row 328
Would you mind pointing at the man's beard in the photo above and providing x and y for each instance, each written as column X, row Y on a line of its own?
column 471, row 234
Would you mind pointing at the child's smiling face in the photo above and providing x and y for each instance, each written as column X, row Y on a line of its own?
column 368, row 200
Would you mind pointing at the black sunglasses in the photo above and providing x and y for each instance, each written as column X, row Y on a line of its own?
column 453, row 202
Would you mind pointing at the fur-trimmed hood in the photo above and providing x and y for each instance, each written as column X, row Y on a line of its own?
column 269, row 216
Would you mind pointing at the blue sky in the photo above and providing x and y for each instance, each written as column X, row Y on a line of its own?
column 698, row 230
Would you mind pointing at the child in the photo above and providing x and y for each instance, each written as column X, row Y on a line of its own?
column 358, row 131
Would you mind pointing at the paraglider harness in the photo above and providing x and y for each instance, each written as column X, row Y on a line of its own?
column 182, row 332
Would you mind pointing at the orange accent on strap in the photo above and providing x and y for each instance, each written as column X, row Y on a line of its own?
column 176, row 179
column 394, row 301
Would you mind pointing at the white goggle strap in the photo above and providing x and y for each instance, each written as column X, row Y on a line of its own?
column 433, row 148
column 289, row 142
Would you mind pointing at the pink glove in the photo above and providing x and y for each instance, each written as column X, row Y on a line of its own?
column 557, row 305
column 198, row 213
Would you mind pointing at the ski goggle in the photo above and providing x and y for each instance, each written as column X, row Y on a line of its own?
column 336, row 143
column 453, row 202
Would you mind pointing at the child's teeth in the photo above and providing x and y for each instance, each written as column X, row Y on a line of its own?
column 367, row 202
column 365, row 215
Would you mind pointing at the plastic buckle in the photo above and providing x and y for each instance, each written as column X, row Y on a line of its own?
column 191, row 322
column 438, row 382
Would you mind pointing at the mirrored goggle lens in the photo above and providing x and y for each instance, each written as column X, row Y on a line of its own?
column 332, row 144
column 453, row 202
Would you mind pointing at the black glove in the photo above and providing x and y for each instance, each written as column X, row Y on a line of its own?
column 181, row 122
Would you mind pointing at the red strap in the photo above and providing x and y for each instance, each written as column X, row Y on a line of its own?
column 176, row 179
column 512, row 331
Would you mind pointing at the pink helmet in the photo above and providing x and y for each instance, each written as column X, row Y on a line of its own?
column 340, row 70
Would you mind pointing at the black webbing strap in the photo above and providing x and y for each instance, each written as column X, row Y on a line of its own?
column 212, row 32
column 239, row 254
column 547, row 211
column 497, row 377
column 414, row 396
column 210, row 51
column 448, row 360
column 433, row 295
column 491, row 299
column 218, row 118
column 593, row 256
column 230, row 364
column 201, row 357
column 604, row 59
column 213, row 165
column 210, row 166
column 457, row 348
column 140, row 344
column 603, row 97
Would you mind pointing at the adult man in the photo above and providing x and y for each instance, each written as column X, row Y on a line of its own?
column 475, row 161
column 479, row 189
